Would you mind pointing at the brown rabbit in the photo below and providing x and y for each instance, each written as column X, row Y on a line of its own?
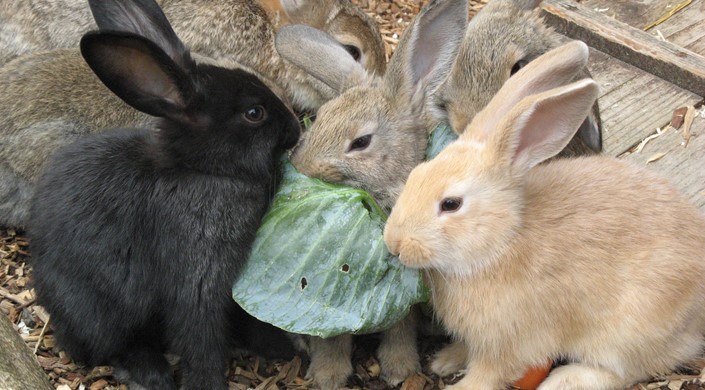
column 49, row 99
column 370, row 137
column 501, row 39
column 590, row 259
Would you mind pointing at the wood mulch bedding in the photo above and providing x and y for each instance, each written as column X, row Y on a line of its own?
column 247, row 372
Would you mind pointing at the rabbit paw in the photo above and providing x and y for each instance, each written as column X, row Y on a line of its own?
column 449, row 360
column 398, row 361
column 581, row 377
column 330, row 374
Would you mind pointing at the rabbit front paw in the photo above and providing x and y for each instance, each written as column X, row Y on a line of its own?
column 331, row 374
column 449, row 360
column 331, row 361
column 398, row 361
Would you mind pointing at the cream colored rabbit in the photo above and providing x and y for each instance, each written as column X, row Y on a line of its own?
column 371, row 136
column 590, row 259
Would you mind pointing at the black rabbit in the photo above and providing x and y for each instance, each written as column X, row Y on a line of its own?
column 138, row 234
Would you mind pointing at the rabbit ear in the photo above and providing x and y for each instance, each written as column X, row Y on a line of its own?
column 140, row 17
column 305, row 9
column 553, row 69
column 540, row 126
column 590, row 133
column 428, row 48
column 139, row 72
column 321, row 56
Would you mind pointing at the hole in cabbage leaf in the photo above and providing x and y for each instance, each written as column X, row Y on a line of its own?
column 345, row 268
column 304, row 283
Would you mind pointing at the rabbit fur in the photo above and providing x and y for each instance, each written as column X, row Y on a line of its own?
column 212, row 26
column 138, row 234
column 43, row 111
column 388, row 117
column 370, row 137
column 591, row 259
column 487, row 59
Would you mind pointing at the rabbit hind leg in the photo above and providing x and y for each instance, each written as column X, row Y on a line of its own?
column 15, row 196
column 577, row 376
column 144, row 368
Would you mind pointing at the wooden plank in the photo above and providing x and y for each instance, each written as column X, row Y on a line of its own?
column 633, row 103
column 637, row 14
column 687, row 28
column 663, row 59
column 684, row 166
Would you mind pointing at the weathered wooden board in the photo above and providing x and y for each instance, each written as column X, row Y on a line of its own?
column 637, row 14
column 683, row 166
column 636, row 47
column 633, row 103
column 19, row 368
column 686, row 28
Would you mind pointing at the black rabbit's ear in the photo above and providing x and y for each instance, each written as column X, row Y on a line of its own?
column 140, row 17
column 138, row 72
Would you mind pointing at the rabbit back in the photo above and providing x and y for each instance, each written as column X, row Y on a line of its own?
column 67, row 101
column 36, row 25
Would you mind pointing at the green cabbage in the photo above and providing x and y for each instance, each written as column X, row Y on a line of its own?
column 319, row 265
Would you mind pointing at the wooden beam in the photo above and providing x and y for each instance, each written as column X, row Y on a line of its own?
column 633, row 46
column 19, row 368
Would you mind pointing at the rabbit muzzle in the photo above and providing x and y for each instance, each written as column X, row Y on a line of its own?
column 409, row 249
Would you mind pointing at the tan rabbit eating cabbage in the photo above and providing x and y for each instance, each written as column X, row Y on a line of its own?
column 591, row 259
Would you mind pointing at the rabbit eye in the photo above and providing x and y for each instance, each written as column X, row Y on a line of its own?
column 360, row 143
column 255, row 114
column 354, row 51
column 449, row 205
column 520, row 64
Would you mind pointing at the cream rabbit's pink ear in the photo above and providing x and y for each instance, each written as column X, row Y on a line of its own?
column 540, row 126
column 553, row 69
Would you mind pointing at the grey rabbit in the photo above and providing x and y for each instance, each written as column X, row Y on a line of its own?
column 370, row 137
column 138, row 234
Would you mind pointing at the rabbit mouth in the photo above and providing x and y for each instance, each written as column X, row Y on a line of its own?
column 413, row 254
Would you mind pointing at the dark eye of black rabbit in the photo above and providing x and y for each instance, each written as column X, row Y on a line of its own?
column 360, row 143
column 449, row 205
column 520, row 64
column 354, row 51
column 255, row 114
